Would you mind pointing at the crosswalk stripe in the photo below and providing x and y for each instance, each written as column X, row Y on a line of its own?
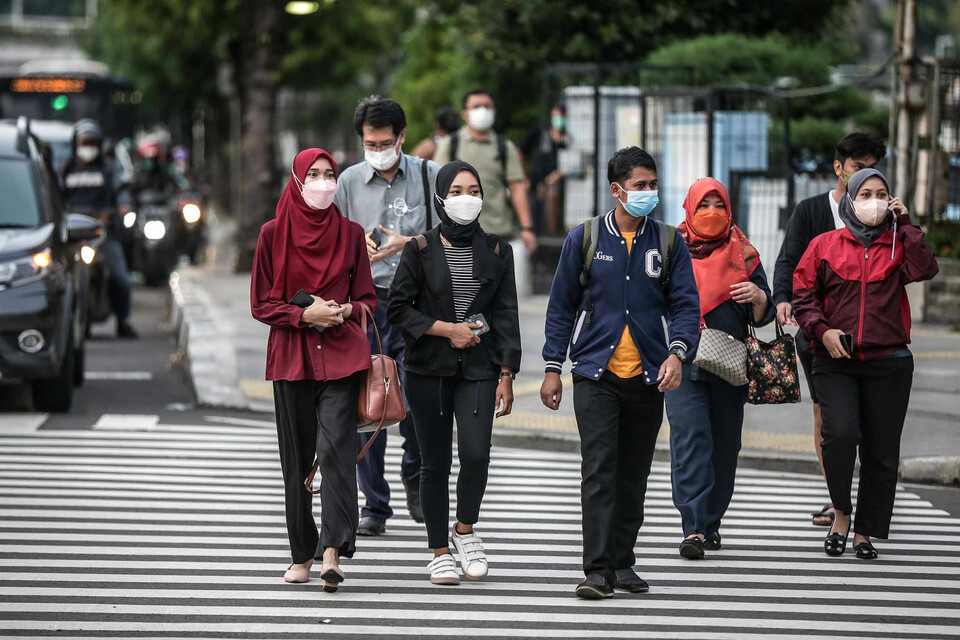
column 178, row 531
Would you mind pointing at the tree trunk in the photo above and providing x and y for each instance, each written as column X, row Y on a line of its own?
column 258, row 72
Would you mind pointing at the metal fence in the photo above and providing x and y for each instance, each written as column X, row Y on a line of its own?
column 739, row 136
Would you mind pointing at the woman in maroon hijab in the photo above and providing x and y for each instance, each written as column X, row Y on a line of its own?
column 315, row 356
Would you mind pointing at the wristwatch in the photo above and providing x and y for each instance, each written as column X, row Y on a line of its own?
column 511, row 374
column 680, row 352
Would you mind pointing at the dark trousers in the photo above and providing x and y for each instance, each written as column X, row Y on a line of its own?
column 434, row 401
column 618, row 421
column 319, row 419
column 119, row 278
column 371, row 470
column 864, row 403
column 706, row 421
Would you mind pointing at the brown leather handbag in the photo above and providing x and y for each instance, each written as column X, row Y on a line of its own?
column 380, row 402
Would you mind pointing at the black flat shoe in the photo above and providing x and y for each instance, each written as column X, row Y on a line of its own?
column 835, row 544
column 866, row 550
column 595, row 587
column 712, row 542
column 692, row 548
column 413, row 503
column 371, row 526
column 629, row 581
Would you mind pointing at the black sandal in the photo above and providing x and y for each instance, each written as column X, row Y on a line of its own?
column 692, row 548
column 824, row 513
column 835, row 544
column 712, row 541
column 866, row 550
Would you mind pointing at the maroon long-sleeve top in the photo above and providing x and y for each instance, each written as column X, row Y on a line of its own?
column 296, row 351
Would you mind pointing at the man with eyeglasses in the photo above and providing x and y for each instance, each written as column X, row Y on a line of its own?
column 389, row 194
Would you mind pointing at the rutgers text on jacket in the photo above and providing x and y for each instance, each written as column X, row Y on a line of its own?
column 625, row 288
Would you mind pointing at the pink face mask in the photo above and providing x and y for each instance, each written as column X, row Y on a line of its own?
column 318, row 194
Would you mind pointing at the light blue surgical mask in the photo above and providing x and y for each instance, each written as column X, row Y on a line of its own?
column 640, row 203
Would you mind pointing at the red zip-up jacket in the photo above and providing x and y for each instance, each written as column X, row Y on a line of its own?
column 840, row 284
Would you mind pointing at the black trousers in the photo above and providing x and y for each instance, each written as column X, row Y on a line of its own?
column 434, row 401
column 319, row 419
column 863, row 403
column 619, row 420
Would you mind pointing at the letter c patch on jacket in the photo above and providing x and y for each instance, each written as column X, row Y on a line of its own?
column 653, row 263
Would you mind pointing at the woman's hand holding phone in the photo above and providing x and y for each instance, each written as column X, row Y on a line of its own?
column 323, row 313
column 831, row 341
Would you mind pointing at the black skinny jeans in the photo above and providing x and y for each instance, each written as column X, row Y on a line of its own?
column 319, row 419
column 864, row 404
column 434, row 401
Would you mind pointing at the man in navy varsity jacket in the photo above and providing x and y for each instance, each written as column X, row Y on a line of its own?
column 628, row 332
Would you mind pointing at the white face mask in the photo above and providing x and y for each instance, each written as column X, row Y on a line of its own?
column 462, row 209
column 318, row 194
column 870, row 212
column 481, row 118
column 88, row 154
column 382, row 160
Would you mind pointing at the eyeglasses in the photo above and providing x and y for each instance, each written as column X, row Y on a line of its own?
column 379, row 146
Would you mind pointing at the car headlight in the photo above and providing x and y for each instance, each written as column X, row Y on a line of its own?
column 154, row 230
column 129, row 219
column 191, row 212
column 26, row 268
column 87, row 254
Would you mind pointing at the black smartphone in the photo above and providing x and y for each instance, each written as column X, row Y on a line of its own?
column 478, row 319
column 375, row 236
column 846, row 341
column 303, row 300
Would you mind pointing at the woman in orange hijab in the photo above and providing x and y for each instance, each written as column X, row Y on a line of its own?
column 706, row 412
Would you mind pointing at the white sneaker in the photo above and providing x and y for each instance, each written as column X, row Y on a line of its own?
column 443, row 570
column 473, row 559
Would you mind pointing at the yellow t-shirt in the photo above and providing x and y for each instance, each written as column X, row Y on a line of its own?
column 625, row 361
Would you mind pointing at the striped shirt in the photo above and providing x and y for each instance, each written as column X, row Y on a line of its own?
column 465, row 286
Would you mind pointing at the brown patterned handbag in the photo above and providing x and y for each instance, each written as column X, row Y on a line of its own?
column 380, row 401
column 722, row 355
column 772, row 369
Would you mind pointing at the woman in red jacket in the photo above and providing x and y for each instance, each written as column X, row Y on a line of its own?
column 315, row 356
column 850, row 301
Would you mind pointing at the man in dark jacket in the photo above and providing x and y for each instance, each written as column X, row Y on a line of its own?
column 811, row 218
column 86, row 180
column 628, row 328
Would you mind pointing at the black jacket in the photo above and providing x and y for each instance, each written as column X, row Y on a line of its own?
column 422, row 293
column 811, row 218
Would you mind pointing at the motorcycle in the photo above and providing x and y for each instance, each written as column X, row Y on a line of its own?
column 194, row 226
column 157, row 236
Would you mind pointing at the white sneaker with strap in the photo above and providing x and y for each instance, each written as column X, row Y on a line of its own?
column 443, row 570
column 473, row 559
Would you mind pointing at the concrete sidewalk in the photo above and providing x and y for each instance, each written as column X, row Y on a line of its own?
column 226, row 352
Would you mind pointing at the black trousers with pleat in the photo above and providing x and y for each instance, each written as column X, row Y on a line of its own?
column 319, row 418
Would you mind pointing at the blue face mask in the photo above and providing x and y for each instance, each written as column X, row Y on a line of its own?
column 640, row 203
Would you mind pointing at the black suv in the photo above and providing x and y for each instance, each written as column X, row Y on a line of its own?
column 43, row 275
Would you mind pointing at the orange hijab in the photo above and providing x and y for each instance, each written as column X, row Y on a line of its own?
column 722, row 260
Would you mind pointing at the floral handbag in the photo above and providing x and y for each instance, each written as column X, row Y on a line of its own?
column 772, row 369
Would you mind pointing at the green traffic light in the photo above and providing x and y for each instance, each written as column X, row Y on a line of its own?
column 60, row 103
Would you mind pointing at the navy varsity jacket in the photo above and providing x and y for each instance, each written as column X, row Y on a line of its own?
column 625, row 289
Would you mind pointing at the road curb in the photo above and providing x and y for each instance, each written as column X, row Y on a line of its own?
column 209, row 355
column 940, row 470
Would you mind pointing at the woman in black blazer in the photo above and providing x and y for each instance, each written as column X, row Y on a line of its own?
column 456, row 367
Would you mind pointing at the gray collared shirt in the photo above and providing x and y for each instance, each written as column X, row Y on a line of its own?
column 366, row 198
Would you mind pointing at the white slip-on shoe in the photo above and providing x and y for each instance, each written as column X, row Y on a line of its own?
column 443, row 570
column 473, row 559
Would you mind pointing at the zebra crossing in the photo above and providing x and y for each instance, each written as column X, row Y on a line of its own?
column 177, row 531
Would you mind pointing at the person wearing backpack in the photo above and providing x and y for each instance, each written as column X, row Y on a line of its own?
column 624, row 303
column 498, row 163
column 706, row 412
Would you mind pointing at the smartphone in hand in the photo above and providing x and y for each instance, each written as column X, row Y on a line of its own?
column 846, row 341
column 478, row 319
column 375, row 236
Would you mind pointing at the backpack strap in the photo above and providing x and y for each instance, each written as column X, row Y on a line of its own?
column 428, row 205
column 668, row 235
column 454, row 144
column 591, row 237
column 502, row 157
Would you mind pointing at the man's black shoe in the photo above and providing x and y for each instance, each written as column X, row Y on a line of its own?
column 124, row 330
column 692, row 548
column 628, row 580
column 595, row 587
column 712, row 542
column 371, row 526
column 413, row 503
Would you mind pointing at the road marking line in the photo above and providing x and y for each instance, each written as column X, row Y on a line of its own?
column 127, row 421
column 118, row 375
column 11, row 423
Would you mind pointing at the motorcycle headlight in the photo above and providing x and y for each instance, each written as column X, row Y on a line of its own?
column 26, row 268
column 191, row 212
column 129, row 219
column 87, row 254
column 154, row 230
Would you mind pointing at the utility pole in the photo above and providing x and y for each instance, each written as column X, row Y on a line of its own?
column 904, row 127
